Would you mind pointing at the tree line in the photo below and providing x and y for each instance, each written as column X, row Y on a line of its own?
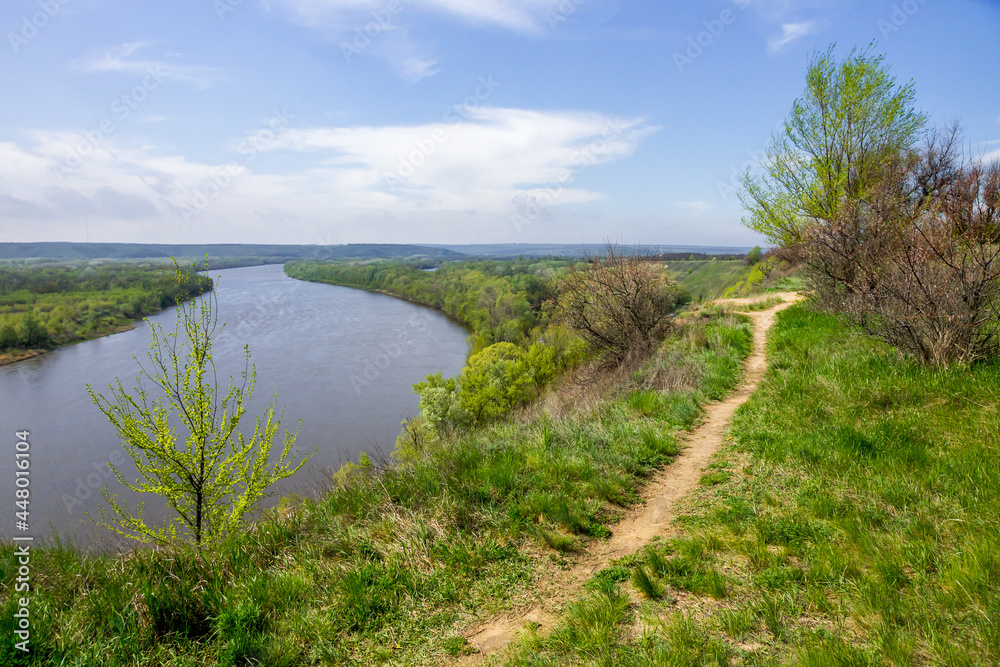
column 45, row 307
column 500, row 301
column 530, row 320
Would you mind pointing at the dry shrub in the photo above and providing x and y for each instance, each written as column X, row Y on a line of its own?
column 620, row 303
column 916, row 261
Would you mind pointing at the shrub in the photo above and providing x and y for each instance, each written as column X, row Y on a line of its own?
column 916, row 261
column 496, row 380
column 619, row 302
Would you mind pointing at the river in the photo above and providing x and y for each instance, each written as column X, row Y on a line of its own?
column 342, row 362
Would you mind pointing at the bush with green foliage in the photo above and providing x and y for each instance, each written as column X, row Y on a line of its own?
column 219, row 474
column 494, row 382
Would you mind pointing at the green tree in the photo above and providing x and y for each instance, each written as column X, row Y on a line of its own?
column 852, row 122
column 8, row 337
column 498, row 379
column 439, row 403
column 32, row 332
column 215, row 475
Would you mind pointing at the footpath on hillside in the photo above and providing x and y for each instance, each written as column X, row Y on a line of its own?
column 655, row 515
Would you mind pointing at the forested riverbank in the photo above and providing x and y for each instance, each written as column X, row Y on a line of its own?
column 43, row 307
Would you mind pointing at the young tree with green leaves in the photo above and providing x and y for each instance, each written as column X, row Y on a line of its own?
column 852, row 122
column 215, row 475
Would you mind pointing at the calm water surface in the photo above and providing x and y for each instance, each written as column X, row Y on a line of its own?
column 342, row 361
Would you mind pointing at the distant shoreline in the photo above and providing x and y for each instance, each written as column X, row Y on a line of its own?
column 23, row 355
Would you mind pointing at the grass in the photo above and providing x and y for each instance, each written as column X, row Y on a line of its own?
column 388, row 568
column 707, row 279
column 761, row 304
column 858, row 524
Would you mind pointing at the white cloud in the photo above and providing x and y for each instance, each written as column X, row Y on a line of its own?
column 992, row 156
column 789, row 33
column 413, row 69
column 117, row 59
column 437, row 173
column 517, row 15
column 381, row 28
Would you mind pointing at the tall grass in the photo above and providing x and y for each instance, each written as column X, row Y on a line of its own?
column 387, row 566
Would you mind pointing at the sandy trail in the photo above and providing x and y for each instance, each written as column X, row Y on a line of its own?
column 655, row 515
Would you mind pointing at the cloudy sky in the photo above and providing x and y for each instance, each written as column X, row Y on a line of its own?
column 437, row 121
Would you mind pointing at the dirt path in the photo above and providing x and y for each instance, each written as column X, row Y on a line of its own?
column 650, row 519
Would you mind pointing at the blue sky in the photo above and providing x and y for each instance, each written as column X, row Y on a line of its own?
column 436, row 121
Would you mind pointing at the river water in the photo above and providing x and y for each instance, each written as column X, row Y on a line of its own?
column 342, row 361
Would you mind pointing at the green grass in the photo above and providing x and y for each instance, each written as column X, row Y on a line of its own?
column 707, row 279
column 389, row 568
column 861, row 527
column 761, row 304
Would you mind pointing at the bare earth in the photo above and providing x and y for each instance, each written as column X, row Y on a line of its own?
column 653, row 517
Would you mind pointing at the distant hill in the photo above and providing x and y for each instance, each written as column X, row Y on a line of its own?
column 278, row 253
column 500, row 250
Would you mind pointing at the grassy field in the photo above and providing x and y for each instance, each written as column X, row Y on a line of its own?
column 707, row 279
column 389, row 567
column 852, row 519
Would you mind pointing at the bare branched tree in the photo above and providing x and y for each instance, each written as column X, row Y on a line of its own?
column 916, row 261
column 619, row 302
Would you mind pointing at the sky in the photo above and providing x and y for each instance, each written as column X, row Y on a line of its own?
column 435, row 121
